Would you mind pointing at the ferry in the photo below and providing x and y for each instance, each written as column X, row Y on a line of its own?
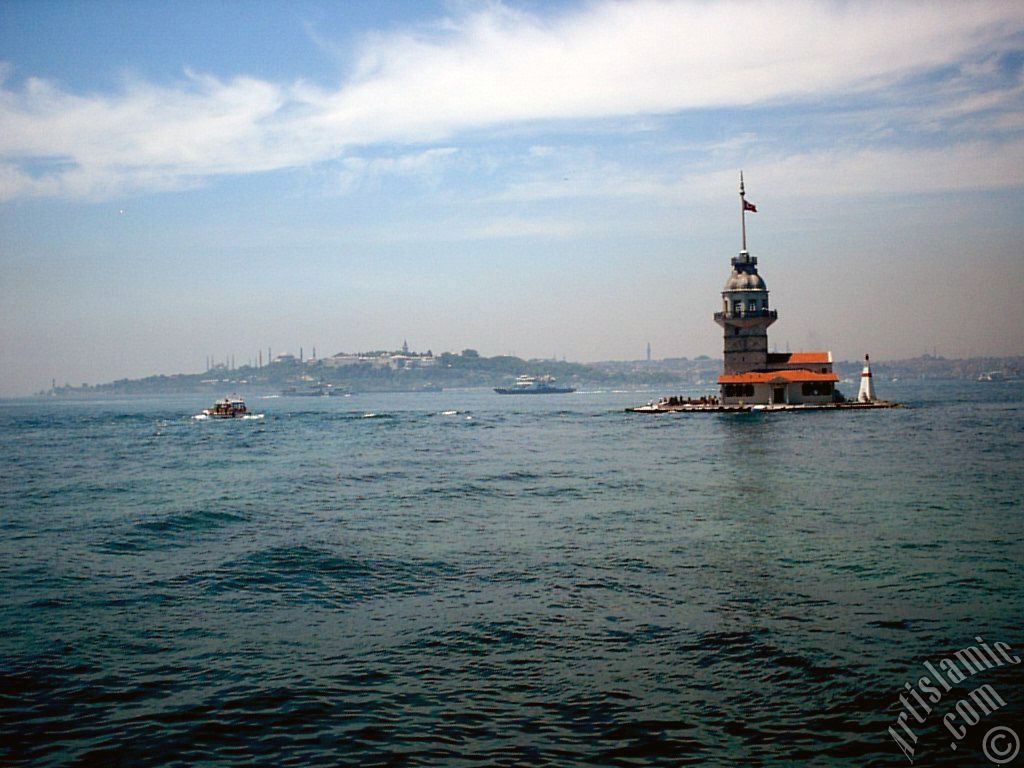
column 530, row 385
column 318, row 389
column 227, row 408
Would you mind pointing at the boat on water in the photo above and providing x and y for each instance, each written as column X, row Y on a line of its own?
column 315, row 390
column 232, row 407
column 534, row 385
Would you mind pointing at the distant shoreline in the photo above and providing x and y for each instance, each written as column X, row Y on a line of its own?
column 475, row 372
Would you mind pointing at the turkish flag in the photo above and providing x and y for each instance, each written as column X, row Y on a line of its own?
column 749, row 207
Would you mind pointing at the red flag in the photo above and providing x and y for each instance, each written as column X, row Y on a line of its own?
column 749, row 207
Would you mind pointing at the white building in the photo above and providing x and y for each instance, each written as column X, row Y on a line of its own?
column 397, row 362
column 341, row 360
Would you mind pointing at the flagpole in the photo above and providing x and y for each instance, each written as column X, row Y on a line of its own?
column 743, row 213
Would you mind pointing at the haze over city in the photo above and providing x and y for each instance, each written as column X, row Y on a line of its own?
column 543, row 179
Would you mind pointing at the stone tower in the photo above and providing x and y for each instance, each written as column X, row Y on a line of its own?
column 745, row 315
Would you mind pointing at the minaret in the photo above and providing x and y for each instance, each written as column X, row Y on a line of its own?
column 745, row 315
column 867, row 387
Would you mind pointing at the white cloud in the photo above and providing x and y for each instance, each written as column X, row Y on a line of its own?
column 491, row 68
column 356, row 170
column 649, row 57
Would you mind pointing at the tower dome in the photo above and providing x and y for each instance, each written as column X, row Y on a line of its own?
column 744, row 281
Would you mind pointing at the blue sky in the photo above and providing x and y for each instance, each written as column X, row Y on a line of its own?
column 545, row 179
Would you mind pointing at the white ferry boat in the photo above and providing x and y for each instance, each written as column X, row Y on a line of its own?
column 531, row 385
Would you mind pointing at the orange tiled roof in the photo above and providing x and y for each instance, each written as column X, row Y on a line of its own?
column 800, row 358
column 776, row 377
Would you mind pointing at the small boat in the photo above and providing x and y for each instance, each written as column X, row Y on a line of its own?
column 232, row 407
column 529, row 385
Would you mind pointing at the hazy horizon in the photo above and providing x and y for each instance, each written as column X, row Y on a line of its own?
column 546, row 180
column 254, row 362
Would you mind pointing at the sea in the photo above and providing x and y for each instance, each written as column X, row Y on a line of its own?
column 465, row 579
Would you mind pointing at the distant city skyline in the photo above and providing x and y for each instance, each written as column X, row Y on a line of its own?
column 180, row 181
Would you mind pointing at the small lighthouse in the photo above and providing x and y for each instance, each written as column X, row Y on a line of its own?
column 867, row 388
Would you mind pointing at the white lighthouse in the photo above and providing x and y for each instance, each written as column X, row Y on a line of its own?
column 867, row 387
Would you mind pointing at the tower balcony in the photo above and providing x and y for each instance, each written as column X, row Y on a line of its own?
column 759, row 317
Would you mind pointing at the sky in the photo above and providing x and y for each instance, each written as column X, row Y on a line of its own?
column 545, row 179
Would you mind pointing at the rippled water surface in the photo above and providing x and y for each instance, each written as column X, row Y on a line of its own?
column 467, row 579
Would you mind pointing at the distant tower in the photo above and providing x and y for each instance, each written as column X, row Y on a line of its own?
column 867, row 387
column 300, row 354
column 648, row 351
column 405, row 347
column 745, row 316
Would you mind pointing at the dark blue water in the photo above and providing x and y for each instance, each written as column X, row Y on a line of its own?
column 527, row 581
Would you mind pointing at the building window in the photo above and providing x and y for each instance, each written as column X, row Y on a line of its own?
column 737, row 390
column 816, row 388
